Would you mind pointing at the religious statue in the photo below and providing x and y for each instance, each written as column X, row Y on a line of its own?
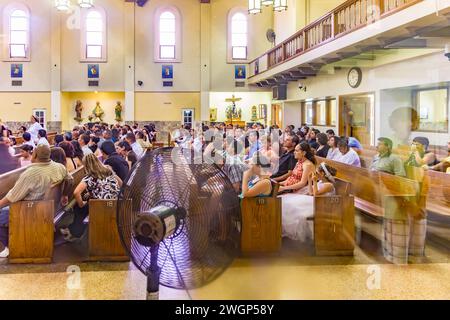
column 118, row 110
column 232, row 112
column 97, row 114
column 78, row 111
column 254, row 113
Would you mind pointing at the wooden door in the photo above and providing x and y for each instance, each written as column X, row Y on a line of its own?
column 276, row 115
column 355, row 117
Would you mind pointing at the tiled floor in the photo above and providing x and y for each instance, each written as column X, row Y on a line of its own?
column 295, row 274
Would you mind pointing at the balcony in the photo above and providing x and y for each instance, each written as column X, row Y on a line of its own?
column 350, row 29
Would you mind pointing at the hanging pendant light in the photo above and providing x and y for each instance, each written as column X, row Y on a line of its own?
column 267, row 2
column 254, row 6
column 280, row 5
column 86, row 3
column 62, row 5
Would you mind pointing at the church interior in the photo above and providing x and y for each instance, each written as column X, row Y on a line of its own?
column 224, row 149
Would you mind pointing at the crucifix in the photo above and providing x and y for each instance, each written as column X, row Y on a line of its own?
column 233, row 100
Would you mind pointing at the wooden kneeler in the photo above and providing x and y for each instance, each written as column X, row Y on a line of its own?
column 31, row 232
column 261, row 224
column 104, row 240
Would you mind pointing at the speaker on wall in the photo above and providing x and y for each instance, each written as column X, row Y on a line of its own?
column 279, row 92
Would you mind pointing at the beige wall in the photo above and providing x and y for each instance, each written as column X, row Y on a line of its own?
column 74, row 73
column 15, row 106
column 151, row 106
column 37, row 72
column 222, row 73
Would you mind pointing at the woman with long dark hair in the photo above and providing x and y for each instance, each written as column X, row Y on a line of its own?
column 306, row 162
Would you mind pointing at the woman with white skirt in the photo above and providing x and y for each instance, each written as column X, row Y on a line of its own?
column 298, row 207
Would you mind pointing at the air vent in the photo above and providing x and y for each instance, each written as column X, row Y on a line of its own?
column 16, row 83
column 240, row 84
column 167, row 83
column 93, row 83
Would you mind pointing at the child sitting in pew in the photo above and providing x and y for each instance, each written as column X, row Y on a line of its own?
column 297, row 207
column 100, row 183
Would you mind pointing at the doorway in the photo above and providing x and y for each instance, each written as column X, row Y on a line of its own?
column 277, row 115
column 356, row 117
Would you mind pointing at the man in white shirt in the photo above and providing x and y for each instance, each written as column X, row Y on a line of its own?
column 34, row 129
column 347, row 155
column 83, row 140
column 131, row 139
column 27, row 139
column 42, row 135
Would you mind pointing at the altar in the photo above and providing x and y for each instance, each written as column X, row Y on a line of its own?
column 240, row 124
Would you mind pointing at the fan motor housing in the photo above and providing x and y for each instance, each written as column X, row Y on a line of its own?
column 152, row 227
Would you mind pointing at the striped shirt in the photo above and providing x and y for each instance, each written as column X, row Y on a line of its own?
column 36, row 181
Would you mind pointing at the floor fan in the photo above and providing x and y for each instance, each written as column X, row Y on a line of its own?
column 178, row 221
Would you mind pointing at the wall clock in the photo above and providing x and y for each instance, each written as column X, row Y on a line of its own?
column 354, row 77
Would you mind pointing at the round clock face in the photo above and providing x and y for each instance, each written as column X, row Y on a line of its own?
column 354, row 77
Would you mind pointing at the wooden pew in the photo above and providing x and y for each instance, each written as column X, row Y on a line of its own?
column 7, row 180
column 369, row 188
column 31, row 232
column 104, row 240
column 31, row 225
column 334, row 222
column 261, row 224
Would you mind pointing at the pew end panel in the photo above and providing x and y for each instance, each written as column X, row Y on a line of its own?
column 104, row 239
column 334, row 225
column 261, row 224
column 31, row 232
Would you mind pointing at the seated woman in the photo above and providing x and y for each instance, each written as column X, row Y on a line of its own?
column 99, row 183
column 58, row 155
column 256, row 180
column 297, row 208
column 26, row 151
column 304, row 167
column 72, row 162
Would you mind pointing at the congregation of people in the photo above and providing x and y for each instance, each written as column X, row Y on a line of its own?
column 254, row 158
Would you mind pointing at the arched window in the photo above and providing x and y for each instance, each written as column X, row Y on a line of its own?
column 16, row 23
column 168, row 34
column 237, row 35
column 93, row 35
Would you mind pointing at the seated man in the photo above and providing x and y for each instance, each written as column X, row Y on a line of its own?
column 385, row 161
column 32, row 186
column 131, row 139
column 420, row 155
column 42, row 135
column 27, row 139
column 118, row 164
column 287, row 160
column 347, row 155
column 234, row 166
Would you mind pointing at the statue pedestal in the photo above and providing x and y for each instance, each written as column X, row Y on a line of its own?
column 239, row 123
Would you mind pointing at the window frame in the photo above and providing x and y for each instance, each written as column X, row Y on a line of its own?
column 7, row 12
column 44, row 117
column 83, row 35
column 231, row 14
column 416, row 106
column 192, row 117
column 178, row 34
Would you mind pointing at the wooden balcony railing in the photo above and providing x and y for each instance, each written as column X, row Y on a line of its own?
column 346, row 18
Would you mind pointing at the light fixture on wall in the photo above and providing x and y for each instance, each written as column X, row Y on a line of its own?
column 86, row 3
column 62, row 5
column 267, row 2
column 254, row 6
column 280, row 5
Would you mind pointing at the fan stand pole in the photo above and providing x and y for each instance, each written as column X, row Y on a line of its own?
column 153, row 274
